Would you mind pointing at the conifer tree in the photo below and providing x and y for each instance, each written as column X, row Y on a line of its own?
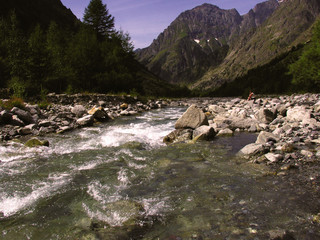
column 97, row 16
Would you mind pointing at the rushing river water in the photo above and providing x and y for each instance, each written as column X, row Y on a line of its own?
column 119, row 181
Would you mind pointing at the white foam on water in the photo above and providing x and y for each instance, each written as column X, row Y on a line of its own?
column 11, row 204
column 155, row 206
column 113, row 218
column 141, row 132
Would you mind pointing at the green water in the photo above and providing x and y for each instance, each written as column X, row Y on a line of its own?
column 118, row 181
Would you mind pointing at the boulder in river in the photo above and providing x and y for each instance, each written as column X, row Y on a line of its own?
column 86, row 121
column 178, row 135
column 252, row 149
column 35, row 142
column 193, row 118
column 204, row 133
column 99, row 113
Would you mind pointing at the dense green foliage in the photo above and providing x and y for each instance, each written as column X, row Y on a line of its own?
column 306, row 71
column 93, row 58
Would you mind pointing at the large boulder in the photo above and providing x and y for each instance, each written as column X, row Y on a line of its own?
column 86, row 121
column 252, row 149
column 265, row 137
column 204, row 133
column 265, row 116
column 216, row 109
column 25, row 116
column 78, row 110
column 193, row 118
column 99, row 113
column 298, row 113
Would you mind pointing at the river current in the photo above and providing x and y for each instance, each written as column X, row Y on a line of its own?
column 119, row 181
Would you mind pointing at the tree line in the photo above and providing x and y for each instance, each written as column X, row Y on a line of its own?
column 94, row 58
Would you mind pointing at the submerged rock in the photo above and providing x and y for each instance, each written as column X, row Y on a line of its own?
column 178, row 135
column 35, row 142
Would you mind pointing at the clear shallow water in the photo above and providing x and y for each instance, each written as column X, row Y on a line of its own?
column 118, row 181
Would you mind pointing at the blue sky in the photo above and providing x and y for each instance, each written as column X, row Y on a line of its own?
column 144, row 20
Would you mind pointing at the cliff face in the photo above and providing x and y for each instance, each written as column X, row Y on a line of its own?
column 207, row 46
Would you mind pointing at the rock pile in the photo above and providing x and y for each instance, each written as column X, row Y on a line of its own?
column 67, row 112
column 288, row 126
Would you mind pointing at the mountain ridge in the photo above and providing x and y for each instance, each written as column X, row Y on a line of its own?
column 213, row 50
column 198, row 39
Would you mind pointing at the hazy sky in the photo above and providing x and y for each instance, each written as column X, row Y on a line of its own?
column 144, row 20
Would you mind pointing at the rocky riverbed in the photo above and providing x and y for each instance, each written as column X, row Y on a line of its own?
column 287, row 128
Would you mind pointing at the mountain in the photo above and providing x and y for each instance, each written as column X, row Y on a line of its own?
column 198, row 39
column 32, row 12
column 287, row 27
column 208, row 46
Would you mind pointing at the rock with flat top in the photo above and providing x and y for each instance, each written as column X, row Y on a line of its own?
column 193, row 118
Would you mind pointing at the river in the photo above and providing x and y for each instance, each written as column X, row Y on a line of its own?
column 119, row 181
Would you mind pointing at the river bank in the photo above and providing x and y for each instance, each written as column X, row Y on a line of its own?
column 68, row 112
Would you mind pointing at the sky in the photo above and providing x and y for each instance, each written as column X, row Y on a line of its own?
column 144, row 20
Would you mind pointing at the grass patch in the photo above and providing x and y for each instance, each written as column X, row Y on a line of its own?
column 13, row 102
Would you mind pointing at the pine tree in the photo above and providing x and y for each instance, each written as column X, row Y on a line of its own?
column 97, row 16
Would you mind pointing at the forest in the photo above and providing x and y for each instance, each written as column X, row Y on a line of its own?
column 91, row 57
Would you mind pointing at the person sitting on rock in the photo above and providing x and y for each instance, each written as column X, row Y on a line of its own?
column 251, row 97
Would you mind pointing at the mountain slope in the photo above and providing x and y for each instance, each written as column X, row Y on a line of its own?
column 286, row 27
column 32, row 12
column 198, row 39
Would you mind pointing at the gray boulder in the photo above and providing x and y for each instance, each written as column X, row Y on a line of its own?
column 298, row 113
column 204, row 133
column 225, row 133
column 252, row 149
column 265, row 116
column 86, row 121
column 25, row 116
column 273, row 157
column 193, row 118
column 216, row 109
column 265, row 137
column 78, row 110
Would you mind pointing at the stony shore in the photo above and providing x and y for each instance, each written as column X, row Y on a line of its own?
column 287, row 128
column 68, row 112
